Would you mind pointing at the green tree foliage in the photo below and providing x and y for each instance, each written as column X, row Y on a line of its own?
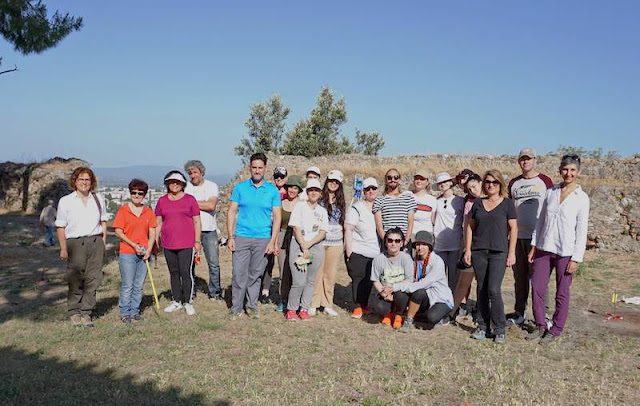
column 266, row 127
column 320, row 134
column 24, row 23
column 368, row 143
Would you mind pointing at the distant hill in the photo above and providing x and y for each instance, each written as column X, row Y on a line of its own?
column 152, row 174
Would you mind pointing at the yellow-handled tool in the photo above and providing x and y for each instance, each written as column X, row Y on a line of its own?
column 153, row 285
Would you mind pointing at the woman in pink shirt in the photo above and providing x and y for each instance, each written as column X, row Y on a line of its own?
column 178, row 217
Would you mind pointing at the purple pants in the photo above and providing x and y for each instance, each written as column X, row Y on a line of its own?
column 543, row 263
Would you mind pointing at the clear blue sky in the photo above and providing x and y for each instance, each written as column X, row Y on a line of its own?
column 160, row 82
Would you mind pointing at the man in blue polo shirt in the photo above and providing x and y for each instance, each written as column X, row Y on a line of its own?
column 253, row 224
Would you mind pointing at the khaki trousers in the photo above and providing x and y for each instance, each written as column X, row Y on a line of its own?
column 84, row 273
column 326, row 277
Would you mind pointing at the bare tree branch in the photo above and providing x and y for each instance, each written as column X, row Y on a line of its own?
column 10, row 70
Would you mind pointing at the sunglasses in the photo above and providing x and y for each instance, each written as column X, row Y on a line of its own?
column 279, row 176
column 394, row 177
column 370, row 188
column 137, row 193
column 445, row 203
column 492, row 182
column 395, row 240
column 571, row 157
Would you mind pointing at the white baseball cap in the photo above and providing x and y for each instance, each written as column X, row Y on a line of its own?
column 443, row 177
column 369, row 182
column 313, row 183
column 313, row 169
column 335, row 175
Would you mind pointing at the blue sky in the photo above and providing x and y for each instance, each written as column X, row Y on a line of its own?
column 161, row 82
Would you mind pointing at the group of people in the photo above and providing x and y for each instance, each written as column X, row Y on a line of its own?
column 409, row 254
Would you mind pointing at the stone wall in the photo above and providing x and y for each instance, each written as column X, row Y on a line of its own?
column 27, row 187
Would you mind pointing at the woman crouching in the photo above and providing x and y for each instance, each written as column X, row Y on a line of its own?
column 429, row 291
column 390, row 267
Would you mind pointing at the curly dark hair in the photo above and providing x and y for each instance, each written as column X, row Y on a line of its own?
column 79, row 171
column 340, row 204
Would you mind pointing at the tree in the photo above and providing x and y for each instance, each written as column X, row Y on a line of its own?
column 24, row 23
column 266, row 127
column 320, row 134
column 368, row 143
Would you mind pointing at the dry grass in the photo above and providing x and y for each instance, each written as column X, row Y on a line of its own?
column 171, row 359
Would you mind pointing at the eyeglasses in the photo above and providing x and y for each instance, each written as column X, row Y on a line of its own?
column 83, row 180
column 137, row 193
column 492, row 182
column 368, row 188
column 279, row 176
column 394, row 240
column 393, row 177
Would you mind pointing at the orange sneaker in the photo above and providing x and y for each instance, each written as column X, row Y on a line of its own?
column 357, row 313
column 386, row 320
column 397, row 321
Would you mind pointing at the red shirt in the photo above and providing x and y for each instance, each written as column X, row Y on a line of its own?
column 134, row 227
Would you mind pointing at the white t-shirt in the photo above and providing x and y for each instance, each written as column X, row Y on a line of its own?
column 204, row 192
column 309, row 221
column 425, row 208
column 365, row 238
column 447, row 227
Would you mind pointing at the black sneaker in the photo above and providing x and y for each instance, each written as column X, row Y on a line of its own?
column 547, row 338
column 535, row 334
column 264, row 299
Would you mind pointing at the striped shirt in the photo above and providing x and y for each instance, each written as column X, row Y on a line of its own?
column 395, row 210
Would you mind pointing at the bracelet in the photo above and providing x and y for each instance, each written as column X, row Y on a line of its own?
column 198, row 242
column 231, row 238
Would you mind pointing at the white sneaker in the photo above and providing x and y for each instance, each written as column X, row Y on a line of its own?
column 329, row 311
column 311, row 311
column 173, row 306
column 188, row 307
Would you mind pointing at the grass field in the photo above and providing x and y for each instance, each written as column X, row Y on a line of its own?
column 172, row 359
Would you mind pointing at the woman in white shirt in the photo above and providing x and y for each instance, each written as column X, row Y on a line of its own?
column 361, row 246
column 310, row 223
column 425, row 204
column 447, row 226
column 559, row 242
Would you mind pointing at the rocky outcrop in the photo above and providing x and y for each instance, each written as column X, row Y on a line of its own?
column 612, row 183
column 27, row 187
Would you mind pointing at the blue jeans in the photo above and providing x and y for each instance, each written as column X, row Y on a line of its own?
column 132, row 271
column 49, row 240
column 212, row 255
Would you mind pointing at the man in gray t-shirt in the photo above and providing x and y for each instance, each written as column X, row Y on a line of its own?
column 527, row 190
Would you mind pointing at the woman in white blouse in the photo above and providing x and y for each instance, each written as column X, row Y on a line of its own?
column 559, row 242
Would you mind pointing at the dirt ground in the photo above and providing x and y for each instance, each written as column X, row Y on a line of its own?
column 207, row 359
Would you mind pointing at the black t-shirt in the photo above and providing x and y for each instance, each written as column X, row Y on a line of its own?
column 492, row 229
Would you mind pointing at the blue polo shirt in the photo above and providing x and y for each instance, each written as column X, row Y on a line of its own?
column 254, row 208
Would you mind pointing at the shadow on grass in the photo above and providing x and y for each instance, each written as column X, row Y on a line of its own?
column 32, row 277
column 27, row 378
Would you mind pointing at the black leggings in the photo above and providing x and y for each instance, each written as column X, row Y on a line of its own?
column 490, row 267
column 382, row 307
column 182, row 281
column 359, row 270
column 434, row 313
